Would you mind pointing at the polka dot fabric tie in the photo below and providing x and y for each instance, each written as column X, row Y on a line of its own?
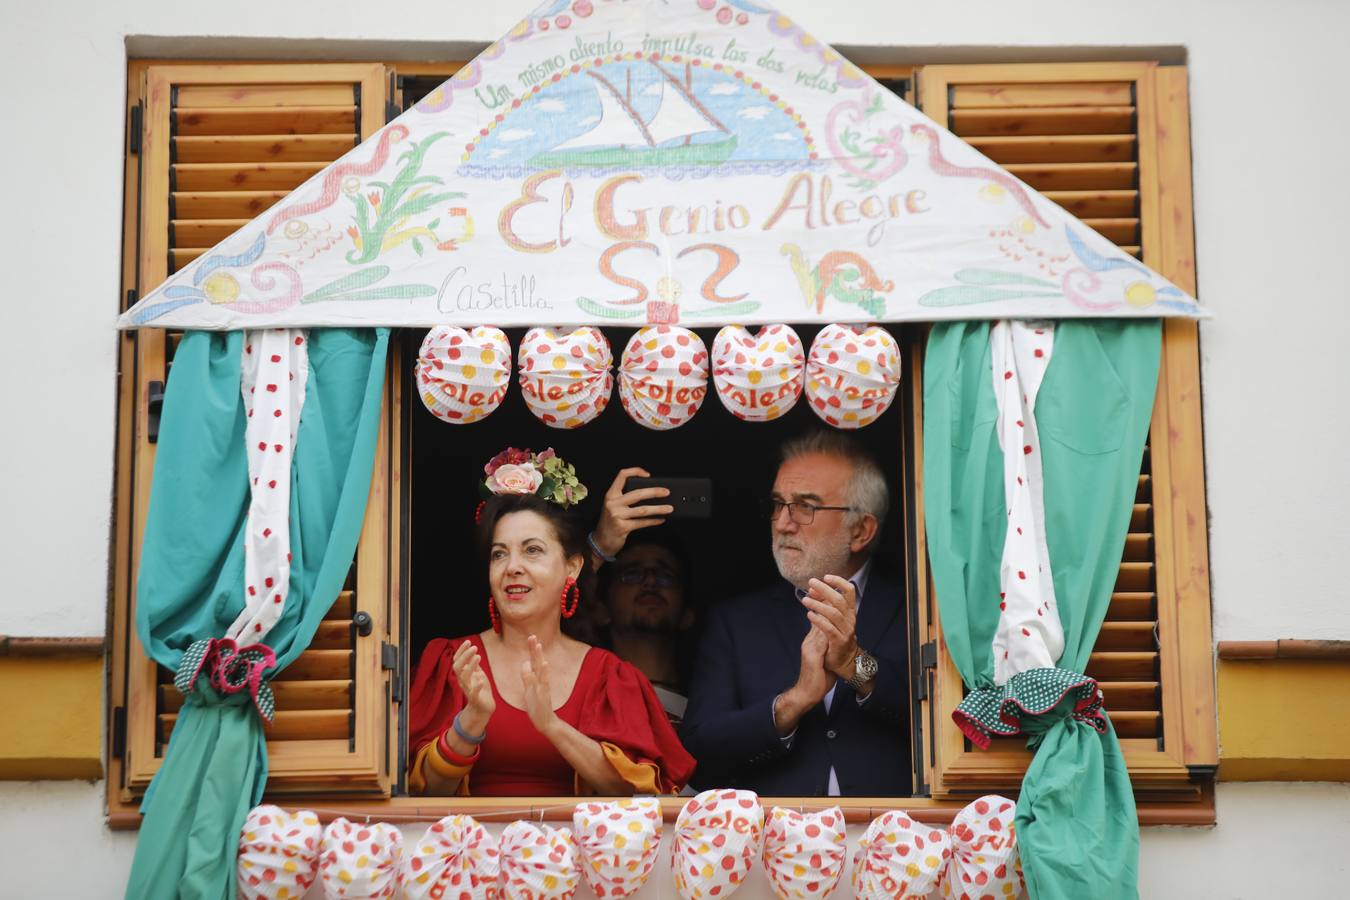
column 274, row 369
column 1029, row 633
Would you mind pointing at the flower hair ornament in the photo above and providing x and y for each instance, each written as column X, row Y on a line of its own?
column 543, row 474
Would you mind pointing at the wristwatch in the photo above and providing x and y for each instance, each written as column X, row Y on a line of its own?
column 864, row 669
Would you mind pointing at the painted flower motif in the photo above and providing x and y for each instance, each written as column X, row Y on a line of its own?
column 510, row 478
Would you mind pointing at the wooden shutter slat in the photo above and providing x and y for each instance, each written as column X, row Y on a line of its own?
column 1126, row 636
column 318, row 665
column 1131, row 665
column 263, row 148
column 266, row 120
column 1077, row 175
column 289, row 695
column 298, row 724
column 1118, row 231
column 1141, row 517
column 1081, row 93
column 1135, row 576
column 204, row 232
column 196, row 96
column 1121, row 695
column 1138, row 547
column 1058, row 149
column 332, row 636
column 1052, row 120
column 224, row 204
column 229, row 176
column 181, row 256
column 1096, row 204
column 343, row 607
column 1136, row 723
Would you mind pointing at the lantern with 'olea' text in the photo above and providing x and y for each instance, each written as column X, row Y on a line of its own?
column 663, row 376
column 852, row 374
column 462, row 376
column 566, row 378
column 758, row 377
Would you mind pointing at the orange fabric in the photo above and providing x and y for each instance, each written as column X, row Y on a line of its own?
column 645, row 778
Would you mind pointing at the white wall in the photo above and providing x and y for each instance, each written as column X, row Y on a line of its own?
column 1271, row 841
column 1269, row 131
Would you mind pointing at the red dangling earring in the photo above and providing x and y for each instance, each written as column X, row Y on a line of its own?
column 492, row 614
column 570, row 587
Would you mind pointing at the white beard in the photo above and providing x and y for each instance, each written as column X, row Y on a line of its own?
column 800, row 566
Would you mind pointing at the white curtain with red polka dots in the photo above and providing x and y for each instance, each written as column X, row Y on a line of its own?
column 274, row 369
column 1029, row 634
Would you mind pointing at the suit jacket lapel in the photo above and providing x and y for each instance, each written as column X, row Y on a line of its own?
column 791, row 618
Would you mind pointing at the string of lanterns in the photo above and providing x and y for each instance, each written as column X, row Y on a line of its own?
column 850, row 375
column 612, row 846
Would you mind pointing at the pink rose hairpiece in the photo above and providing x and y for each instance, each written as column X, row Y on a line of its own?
column 543, row 474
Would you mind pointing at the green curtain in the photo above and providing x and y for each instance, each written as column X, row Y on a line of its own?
column 191, row 580
column 1077, row 827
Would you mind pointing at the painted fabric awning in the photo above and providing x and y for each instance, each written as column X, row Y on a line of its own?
column 640, row 162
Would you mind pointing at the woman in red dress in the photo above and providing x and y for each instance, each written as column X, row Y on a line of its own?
column 522, row 709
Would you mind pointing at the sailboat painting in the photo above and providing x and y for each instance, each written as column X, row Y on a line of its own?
column 645, row 112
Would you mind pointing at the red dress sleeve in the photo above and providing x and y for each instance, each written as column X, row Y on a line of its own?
column 622, row 709
column 435, row 695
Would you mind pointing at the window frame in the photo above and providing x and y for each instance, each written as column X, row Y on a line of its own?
column 949, row 771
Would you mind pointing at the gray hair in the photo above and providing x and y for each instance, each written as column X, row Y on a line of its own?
column 866, row 489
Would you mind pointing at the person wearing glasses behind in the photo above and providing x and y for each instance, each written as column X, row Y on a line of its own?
column 646, row 594
column 800, row 688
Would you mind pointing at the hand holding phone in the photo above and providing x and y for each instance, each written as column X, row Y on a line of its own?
column 691, row 498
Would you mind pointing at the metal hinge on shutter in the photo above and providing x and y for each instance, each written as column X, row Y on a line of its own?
column 134, row 127
column 119, row 732
column 389, row 661
column 927, row 661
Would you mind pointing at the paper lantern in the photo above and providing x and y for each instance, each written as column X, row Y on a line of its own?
column 717, row 837
column 663, row 377
column 462, row 376
column 984, row 851
column 358, row 862
column 538, row 862
column 758, row 377
column 804, row 853
column 618, row 843
column 899, row 859
column 458, row 858
column 566, row 378
column 278, row 853
column 852, row 374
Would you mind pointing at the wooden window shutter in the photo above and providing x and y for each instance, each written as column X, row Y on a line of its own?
column 209, row 148
column 1110, row 143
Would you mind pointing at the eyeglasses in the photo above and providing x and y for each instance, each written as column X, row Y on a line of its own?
column 798, row 511
column 638, row 574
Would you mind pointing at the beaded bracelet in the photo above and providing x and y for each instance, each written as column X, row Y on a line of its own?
column 590, row 539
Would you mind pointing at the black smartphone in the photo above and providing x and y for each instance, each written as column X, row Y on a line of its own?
column 691, row 497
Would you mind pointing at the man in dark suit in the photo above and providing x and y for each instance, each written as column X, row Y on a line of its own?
column 802, row 688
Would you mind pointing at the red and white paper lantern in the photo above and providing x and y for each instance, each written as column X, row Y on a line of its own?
column 717, row 837
column 458, row 858
column 278, row 853
column 758, row 376
column 462, row 376
column 984, row 851
column 539, row 862
column 899, row 859
column 567, row 379
column 804, row 853
column 618, row 843
column 360, row 862
column 852, row 374
column 663, row 376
